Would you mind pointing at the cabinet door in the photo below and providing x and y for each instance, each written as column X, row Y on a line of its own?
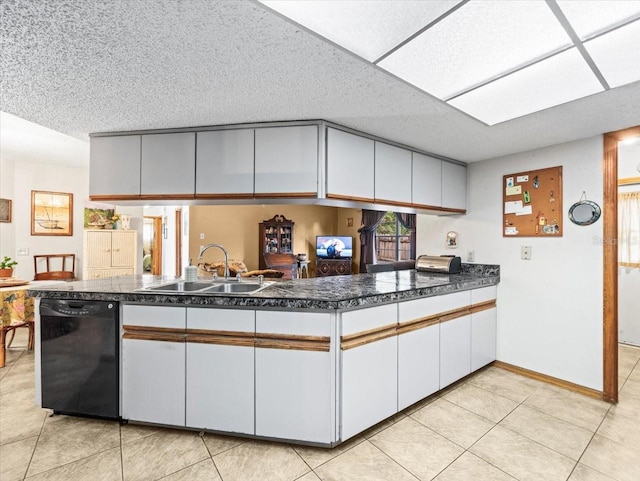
column 168, row 164
column 418, row 351
column 153, row 370
column 220, row 370
column 295, row 387
column 454, row 186
column 369, row 384
column 224, row 162
column 426, row 180
column 98, row 249
column 286, row 160
column 153, row 381
column 114, row 167
column 483, row 327
column 392, row 174
column 455, row 350
column 350, row 166
column 123, row 248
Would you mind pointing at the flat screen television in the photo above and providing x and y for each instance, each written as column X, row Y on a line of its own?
column 334, row 247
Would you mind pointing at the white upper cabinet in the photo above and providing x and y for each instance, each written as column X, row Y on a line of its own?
column 224, row 162
column 168, row 164
column 350, row 166
column 392, row 174
column 115, row 166
column 426, row 180
column 286, row 161
column 454, row 186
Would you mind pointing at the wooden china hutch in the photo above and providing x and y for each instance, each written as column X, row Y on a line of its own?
column 276, row 246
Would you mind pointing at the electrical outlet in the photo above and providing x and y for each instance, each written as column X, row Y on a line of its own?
column 23, row 252
column 525, row 253
column 471, row 256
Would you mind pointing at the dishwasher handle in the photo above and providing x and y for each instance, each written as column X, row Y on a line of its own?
column 72, row 308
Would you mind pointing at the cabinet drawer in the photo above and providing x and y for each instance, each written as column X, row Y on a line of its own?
column 296, row 323
column 221, row 319
column 154, row 316
column 370, row 318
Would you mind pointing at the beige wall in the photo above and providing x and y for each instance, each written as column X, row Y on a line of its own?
column 236, row 228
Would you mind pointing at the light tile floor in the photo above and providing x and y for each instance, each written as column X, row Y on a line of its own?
column 494, row 426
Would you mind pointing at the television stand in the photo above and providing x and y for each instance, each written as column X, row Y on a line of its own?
column 333, row 267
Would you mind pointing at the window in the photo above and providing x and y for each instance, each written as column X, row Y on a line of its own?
column 394, row 242
column 629, row 229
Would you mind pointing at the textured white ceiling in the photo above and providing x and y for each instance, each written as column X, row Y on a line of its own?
column 90, row 66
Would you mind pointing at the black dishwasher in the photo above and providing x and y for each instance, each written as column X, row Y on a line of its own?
column 80, row 357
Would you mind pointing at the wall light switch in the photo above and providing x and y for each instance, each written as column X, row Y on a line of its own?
column 201, row 235
column 525, row 253
column 23, row 252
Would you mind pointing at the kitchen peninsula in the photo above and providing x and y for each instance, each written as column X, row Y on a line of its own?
column 313, row 361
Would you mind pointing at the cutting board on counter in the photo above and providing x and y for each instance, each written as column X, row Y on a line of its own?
column 12, row 282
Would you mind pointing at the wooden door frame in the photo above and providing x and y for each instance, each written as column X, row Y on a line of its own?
column 156, row 260
column 610, row 260
column 178, row 242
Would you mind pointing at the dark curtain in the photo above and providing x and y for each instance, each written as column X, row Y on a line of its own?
column 408, row 221
column 370, row 221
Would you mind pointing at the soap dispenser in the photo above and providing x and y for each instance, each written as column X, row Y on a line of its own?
column 190, row 272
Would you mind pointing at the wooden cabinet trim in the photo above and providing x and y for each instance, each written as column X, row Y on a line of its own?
column 365, row 337
column 348, row 197
column 483, row 306
column 417, row 324
column 102, row 197
column 298, row 345
column 285, row 195
column 147, row 333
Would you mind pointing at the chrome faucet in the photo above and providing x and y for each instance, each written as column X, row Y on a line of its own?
column 224, row 251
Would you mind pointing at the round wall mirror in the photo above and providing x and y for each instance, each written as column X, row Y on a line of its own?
column 584, row 212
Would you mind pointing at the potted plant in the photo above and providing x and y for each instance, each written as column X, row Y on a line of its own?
column 6, row 267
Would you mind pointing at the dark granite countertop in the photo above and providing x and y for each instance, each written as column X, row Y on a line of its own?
column 339, row 292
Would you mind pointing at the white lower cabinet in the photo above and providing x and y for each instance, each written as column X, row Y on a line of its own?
column 220, row 370
column 455, row 350
column 483, row 327
column 153, row 370
column 455, row 338
column 369, row 384
column 294, row 383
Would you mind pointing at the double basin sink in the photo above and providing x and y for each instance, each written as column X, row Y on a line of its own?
column 214, row 287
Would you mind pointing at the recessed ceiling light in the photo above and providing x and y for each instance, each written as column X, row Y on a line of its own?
column 553, row 81
column 365, row 27
column 617, row 54
column 594, row 16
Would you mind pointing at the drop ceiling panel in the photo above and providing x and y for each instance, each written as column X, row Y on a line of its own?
column 617, row 54
column 367, row 28
column 477, row 42
column 589, row 18
column 553, row 81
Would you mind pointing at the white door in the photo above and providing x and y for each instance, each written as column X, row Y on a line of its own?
column 220, row 369
column 455, row 350
column 295, row 383
column 153, row 381
column 418, row 365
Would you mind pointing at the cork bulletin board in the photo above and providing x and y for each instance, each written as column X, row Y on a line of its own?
column 532, row 203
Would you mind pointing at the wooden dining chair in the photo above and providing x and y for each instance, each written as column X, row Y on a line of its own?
column 54, row 267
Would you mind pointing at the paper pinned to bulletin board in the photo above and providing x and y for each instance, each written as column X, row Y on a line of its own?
column 532, row 203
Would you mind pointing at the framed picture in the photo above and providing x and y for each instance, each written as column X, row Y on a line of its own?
column 51, row 213
column 5, row 210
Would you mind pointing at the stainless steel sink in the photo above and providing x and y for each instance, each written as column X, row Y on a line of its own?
column 181, row 286
column 215, row 287
column 245, row 288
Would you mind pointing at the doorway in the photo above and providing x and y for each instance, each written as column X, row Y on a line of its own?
column 152, row 245
column 610, row 260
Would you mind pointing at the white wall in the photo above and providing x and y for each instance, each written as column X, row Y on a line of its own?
column 629, row 278
column 33, row 157
column 549, row 308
